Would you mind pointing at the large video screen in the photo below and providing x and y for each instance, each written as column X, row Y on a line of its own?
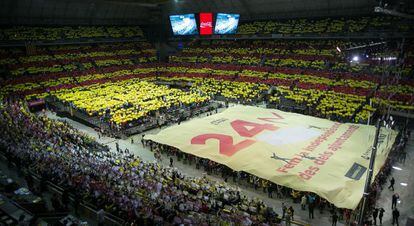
column 206, row 23
column 226, row 23
column 184, row 24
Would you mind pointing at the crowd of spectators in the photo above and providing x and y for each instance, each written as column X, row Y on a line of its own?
column 146, row 193
column 315, row 65
column 116, row 82
column 341, row 96
column 307, row 200
column 140, row 192
column 327, row 25
column 310, row 54
column 43, row 33
column 70, row 58
column 311, row 75
column 126, row 101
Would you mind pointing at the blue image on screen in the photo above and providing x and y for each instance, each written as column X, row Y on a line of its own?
column 226, row 23
column 184, row 24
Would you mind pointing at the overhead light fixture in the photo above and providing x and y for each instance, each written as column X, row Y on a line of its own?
column 337, row 48
column 396, row 168
column 385, row 58
column 355, row 58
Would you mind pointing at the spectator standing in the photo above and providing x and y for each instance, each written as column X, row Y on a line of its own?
column 347, row 216
column 303, row 202
column 56, row 203
column 322, row 204
column 117, row 146
column 269, row 191
column 288, row 219
column 374, row 215
column 381, row 214
column 171, row 161
column 284, row 208
column 395, row 198
column 392, row 182
column 403, row 156
column 142, row 139
column 395, row 216
column 334, row 219
column 311, row 206
column 291, row 212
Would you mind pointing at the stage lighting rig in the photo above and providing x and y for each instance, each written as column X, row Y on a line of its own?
column 392, row 8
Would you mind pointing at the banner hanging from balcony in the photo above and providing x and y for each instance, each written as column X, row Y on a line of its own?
column 298, row 151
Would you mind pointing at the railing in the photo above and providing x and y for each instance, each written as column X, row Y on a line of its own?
column 364, row 35
column 89, row 211
column 86, row 208
column 402, row 114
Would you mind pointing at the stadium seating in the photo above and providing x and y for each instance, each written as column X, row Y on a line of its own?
column 121, row 85
column 327, row 26
column 113, row 171
column 245, row 89
column 306, row 62
column 128, row 100
column 24, row 33
column 317, row 55
column 227, row 113
column 315, row 74
column 69, row 58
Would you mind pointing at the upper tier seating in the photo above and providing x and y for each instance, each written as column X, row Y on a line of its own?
column 308, row 65
column 24, row 33
column 311, row 75
column 309, row 54
column 327, row 25
column 73, row 57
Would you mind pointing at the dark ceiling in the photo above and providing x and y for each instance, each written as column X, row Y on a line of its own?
column 265, row 9
column 156, row 11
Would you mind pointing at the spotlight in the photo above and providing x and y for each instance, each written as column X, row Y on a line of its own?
column 337, row 48
column 355, row 58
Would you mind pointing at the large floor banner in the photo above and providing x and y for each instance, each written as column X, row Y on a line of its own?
column 298, row 151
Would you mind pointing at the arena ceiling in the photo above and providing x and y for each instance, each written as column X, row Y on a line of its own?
column 156, row 11
column 267, row 9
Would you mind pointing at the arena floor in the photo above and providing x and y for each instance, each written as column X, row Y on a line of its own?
column 405, row 175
